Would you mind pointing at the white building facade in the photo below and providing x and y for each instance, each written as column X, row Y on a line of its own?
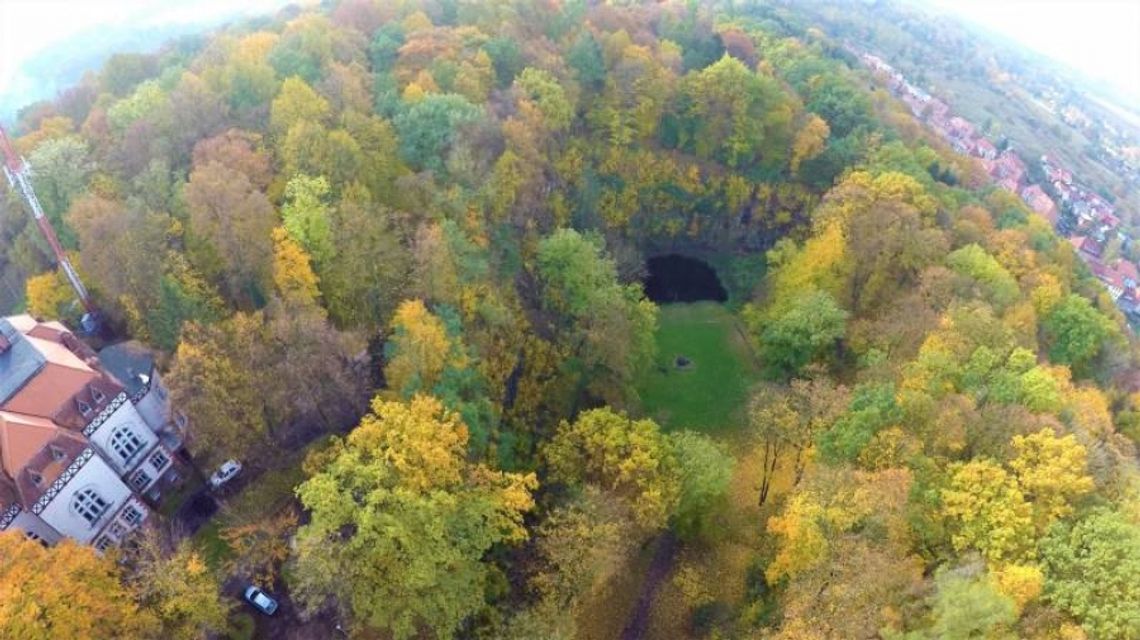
column 82, row 452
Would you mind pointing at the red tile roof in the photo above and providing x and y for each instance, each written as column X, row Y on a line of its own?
column 21, row 438
column 1040, row 202
column 8, row 495
column 50, row 390
column 1086, row 244
column 47, row 465
column 1127, row 270
column 1009, row 183
column 41, row 421
column 66, row 377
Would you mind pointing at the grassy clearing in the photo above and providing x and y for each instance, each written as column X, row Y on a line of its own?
column 265, row 496
column 709, row 393
column 208, row 541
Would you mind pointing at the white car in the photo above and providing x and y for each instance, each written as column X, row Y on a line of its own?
column 225, row 473
column 260, row 600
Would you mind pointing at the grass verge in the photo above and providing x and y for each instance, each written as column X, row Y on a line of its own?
column 708, row 394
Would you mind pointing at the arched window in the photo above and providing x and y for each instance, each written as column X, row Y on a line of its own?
column 124, row 442
column 89, row 505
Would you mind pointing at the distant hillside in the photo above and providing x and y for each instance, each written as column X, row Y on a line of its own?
column 62, row 64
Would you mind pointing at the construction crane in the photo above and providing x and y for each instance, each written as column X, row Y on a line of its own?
column 19, row 174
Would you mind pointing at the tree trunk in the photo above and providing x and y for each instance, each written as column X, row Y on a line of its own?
column 772, row 452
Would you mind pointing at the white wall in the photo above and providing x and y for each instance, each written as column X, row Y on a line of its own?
column 155, row 405
column 153, row 471
column 98, row 475
column 27, row 521
column 129, row 416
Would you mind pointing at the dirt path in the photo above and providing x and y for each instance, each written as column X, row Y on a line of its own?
column 659, row 568
column 744, row 340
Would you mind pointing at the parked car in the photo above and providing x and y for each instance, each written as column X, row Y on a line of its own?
column 225, row 473
column 260, row 600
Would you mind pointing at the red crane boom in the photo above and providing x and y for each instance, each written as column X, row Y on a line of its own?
column 19, row 177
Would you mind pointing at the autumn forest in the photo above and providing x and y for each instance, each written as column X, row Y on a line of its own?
column 392, row 256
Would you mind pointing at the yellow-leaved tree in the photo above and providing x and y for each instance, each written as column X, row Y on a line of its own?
column 1052, row 473
column 988, row 511
column 65, row 592
column 401, row 521
column 809, row 142
column 629, row 459
column 292, row 270
column 48, row 294
column 179, row 589
column 420, row 348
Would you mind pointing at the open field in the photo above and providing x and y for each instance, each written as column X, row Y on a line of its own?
column 709, row 393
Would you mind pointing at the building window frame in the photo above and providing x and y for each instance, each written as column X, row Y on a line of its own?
column 125, row 442
column 132, row 515
column 159, row 460
column 89, row 505
column 140, row 479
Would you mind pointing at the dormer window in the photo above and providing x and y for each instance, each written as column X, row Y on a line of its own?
column 57, row 454
column 97, row 395
column 37, row 479
column 84, row 408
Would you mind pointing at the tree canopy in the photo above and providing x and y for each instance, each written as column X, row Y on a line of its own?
column 391, row 256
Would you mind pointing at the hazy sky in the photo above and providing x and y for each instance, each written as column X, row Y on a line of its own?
column 30, row 26
column 1100, row 38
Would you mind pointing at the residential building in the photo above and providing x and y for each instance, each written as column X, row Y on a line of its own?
column 1056, row 173
column 1009, row 183
column 1008, row 165
column 79, row 458
column 983, row 148
column 1096, row 220
column 1088, row 246
column 1120, row 278
column 1039, row 201
column 961, row 128
column 939, row 110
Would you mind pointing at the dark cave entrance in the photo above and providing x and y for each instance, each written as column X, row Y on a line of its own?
column 677, row 278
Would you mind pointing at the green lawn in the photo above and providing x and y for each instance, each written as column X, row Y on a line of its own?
column 709, row 394
column 267, row 495
column 209, row 542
